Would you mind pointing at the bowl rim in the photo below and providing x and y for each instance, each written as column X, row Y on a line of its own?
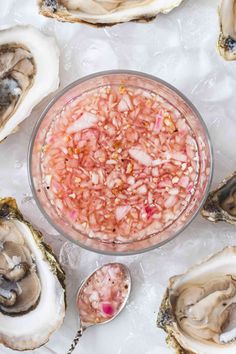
column 57, row 96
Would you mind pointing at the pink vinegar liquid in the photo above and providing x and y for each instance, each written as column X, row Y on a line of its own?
column 120, row 163
column 103, row 294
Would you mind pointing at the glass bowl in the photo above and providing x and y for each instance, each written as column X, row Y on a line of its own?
column 137, row 80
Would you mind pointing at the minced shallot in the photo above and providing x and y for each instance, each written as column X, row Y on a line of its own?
column 118, row 161
column 103, row 294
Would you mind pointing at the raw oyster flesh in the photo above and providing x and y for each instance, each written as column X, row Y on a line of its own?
column 221, row 203
column 105, row 12
column 227, row 39
column 32, row 292
column 27, row 56
column 198, row 311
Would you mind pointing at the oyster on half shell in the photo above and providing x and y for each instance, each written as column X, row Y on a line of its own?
column 29, row 67
column 221, row 203
column 105, row 12
column 198, row 311
column 32, row 292
column 227, row 39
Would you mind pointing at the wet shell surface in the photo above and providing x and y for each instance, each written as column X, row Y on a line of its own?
column 198, row 309
column 27, row 57
column 32, row 292
column 105, row 12
column 221, row 203
column 227, row 38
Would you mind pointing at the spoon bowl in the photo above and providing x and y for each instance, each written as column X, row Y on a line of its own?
column 102, row 296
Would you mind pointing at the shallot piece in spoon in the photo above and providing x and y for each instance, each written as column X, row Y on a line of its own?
column 102, row 296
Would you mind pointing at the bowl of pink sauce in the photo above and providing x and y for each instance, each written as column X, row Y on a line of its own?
column 120, row 162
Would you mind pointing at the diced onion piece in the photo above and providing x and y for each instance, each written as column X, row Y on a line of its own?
column 155, row 172
column 94, row 296
column 48, row 179
column 131, row 180
column 179, row 156
column 123, row 106
column 150, row 211
column 107, row 309
column 159, row 162
column 121, row 212
column 73, row 214
column 184, row 181
column 175, row 179
column 174, row 191
column 159, row 121
column 170, row 202
column 150, row 198
column 181, row 126
column 142, row 189
column 94, row 178
column 127, row 99
column 140, row 156
column 111, row 162
column 86, row 121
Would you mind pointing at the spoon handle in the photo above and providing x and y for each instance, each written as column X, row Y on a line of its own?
column 76, row 340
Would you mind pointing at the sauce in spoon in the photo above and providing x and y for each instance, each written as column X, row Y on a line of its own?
column 102, row 296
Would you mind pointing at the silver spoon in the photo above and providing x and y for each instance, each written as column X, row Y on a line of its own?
column 84, row 324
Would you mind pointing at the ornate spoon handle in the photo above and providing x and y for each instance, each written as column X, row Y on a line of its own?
column 76, row 340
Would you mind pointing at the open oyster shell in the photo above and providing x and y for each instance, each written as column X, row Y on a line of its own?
column 32, row 291
column 221, row 203
column 198, row 311
column 227, row 39
column 29, row 67
column 105, row 12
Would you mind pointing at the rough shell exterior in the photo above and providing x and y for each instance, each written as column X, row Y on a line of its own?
column 227, row 47
column 27, row 56
column 167, row 320
column 53, row 8
column 227, row 38
column 9, row 210
column 10, row 338
column 213, row 210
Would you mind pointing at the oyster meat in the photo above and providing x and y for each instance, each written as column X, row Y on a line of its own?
column 27, row 57
column 105, row 12
column 198, row 311
column 221, row 203
column 32, row 292
column 227, row 39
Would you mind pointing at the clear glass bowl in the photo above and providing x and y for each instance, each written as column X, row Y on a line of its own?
column 138, row 80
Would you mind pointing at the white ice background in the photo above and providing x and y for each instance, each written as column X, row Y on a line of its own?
column 180, row 48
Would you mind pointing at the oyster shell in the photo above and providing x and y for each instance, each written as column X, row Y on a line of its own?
column 27, row 57
column 105, row 12
column 227, row 39
column 32, row 291
column 221, row 203
column 198, row 310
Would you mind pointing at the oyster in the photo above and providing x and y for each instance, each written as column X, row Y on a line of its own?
column 27, row 57
column 32, row 292
column 199, row 307
column 105, row 12
column 221, row 203
column 227, row 39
